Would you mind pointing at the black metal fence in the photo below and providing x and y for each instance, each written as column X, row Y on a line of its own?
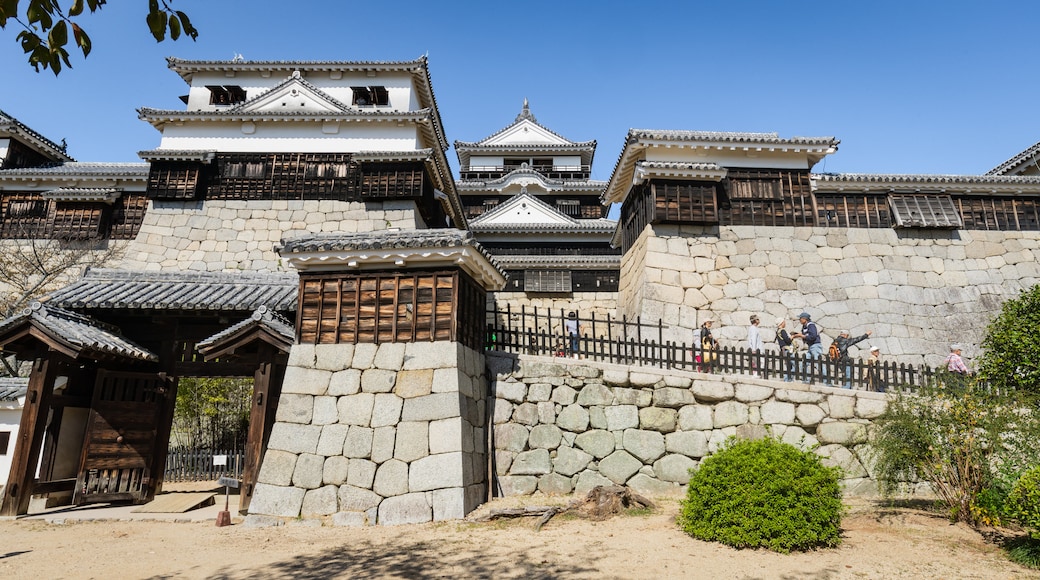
column 626, row 342
column 189, row 464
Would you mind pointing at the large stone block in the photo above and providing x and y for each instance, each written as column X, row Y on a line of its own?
column 436, row 472
column 696, row 418
column 294, row 438
column 573, row 418
column 840, row 456
column 712, row 391
column 675, row 468
column 798, row 437
column 672, row 397
column 333, row 357
column 868, row 408
column 275, row 500
column 449, row 504
column 446, row 435
column 526, row 414
column 412, row 508
column 358, row 442
column 514, row 485
column 390, row 356
column 448, row 381
column 841, row 406
column 356, row 409
column 658, row 419
column 775, row 412
column 510, row 390
column 386, row 410
column 545, row 437
column 346, row 382
column 752, row 393
column 619, row 466
column 391, row 478
column 637, row 397
column 295, row 408
column 413, row 440
column 305, row 381
column 378, row 381
column 511, row 437
column 308, row 471
column 645, row 445
column 569, row 461
column 809, row 415
column 688, row 443
column 384, row 440
column 356, row 499
column 564, row 395
column 414, row 383
column 431, row 407
column 589, row 479
column 361, row 473
column 335, row 470
column 730, row 413
column 841, row 433
column 431, row 355
column 598, row 443
column 595, row 394
column 320, row 502
column 277, row 467
column 534, row 462
column 364, row 355
column 555, row 484
column 325, row 411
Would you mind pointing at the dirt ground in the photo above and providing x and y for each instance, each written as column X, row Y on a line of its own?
column 879, row 542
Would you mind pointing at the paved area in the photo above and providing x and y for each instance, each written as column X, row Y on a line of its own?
column 123, row 512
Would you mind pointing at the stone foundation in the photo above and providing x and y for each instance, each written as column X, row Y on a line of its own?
column 377, row 434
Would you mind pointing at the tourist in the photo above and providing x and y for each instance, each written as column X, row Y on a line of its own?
column 709, row 346
column 954, row 362
column 572, row 328
column 874, row 382
column 809, row 334
column 754, row 342
column 788, row 348
column 843, row 342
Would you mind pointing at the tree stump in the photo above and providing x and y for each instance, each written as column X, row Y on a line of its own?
column 600, row 503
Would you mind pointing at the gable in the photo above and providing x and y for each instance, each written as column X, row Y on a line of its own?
column 525, row 132
column 523, row 209
column 293, row 96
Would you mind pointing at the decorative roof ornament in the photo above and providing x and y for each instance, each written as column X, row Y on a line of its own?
column 525, row 113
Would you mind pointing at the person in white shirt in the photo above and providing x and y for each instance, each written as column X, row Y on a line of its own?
column 754, row 340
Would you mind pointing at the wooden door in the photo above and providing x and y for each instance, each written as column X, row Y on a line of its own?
column 120, row 448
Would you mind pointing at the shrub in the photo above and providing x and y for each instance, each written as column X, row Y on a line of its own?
column 968, row 441
column 1024, row 501
column 764, row 494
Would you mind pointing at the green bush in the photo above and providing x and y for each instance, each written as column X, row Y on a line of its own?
column 764, row 494
column 1024, row 501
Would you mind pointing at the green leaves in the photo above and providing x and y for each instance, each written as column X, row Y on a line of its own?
column 46, row 27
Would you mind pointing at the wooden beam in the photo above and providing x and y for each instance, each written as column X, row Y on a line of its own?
column 18, row 491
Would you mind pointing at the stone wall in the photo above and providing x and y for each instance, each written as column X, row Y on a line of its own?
column 587, row 304
column 364, row 434
column 563, row 426
column 230, row 235
column 918, row 291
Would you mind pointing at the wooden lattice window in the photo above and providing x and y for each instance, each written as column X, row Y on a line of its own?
column 688, row 202
column 386, row 307
column 174, row 180
column 78, row 221
column 924, row 211
column 547, row 281
column 755, row 185
column 25, row 215
column 853, row 211
column 571, row 207
column 127, row 216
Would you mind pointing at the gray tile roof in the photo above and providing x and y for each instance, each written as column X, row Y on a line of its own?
column 934, row 182
column 203, row 155
column 13, row 388
column 81, row 168
column 386, row 239
column 1027, row 157
column 102, row 194
column 728, row 137
column 83, row 334
column 525, row 115
column 124, row 289
column 8, row 124
column 584, row 226
column 549, row 183
column 262, row 317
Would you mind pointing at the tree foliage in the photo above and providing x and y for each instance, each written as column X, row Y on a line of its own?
column 1011, row 357
column 968, row 441
column 212, row 413
column 47, row 26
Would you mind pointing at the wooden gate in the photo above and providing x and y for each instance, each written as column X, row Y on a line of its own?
column 120, row 448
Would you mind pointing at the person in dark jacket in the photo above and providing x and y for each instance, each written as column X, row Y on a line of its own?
column 843, row 343
column 810, row 335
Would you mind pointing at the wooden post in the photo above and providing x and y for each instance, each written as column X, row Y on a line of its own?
column 267, row 386
column 30, row 438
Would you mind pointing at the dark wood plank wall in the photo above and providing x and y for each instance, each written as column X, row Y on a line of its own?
column 390, row 307
column 26, row 215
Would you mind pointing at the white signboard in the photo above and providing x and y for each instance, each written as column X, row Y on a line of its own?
column 220, row 460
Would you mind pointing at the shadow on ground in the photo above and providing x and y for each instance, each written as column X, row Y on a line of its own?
column 409, row 559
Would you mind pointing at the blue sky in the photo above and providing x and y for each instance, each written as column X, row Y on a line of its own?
column 908, row 87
